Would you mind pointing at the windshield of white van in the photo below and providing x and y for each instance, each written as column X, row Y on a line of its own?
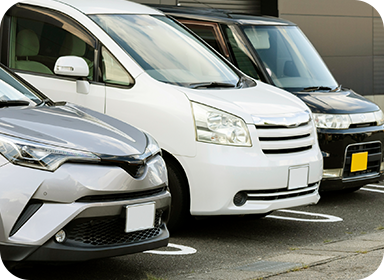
column 289, row 57
column 167, row 52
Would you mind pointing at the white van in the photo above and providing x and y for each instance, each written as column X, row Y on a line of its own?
column 232, row 145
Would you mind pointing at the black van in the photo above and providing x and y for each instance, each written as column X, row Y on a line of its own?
column 275, row 51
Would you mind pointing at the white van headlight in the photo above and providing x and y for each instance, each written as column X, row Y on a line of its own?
column 379, row 117
column 40, row 156
column 331, row 121
column 219, row 127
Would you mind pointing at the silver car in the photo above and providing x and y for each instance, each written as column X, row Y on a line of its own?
column 75, row 184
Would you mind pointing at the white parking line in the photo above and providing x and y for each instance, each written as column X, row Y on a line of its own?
column 375, row 186
column 328, row 218
column 183, row 250
column 371, row 190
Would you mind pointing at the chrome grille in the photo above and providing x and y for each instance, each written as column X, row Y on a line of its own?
column 280, row 139
column 284, row 134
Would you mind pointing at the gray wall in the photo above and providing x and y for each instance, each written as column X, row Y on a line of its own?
column 348, row 34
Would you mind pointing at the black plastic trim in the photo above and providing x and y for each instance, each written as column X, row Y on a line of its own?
column 29, row 210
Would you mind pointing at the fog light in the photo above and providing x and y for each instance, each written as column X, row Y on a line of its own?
column 332, row 173
column 382, row 166
column 240, row 198
column 60, row 236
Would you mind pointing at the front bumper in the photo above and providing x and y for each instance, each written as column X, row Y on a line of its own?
column 218, row 172
column 54, row 252
column 86, row 201
column 337, row 147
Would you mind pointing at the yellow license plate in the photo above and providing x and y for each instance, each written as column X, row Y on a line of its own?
column 359, row 162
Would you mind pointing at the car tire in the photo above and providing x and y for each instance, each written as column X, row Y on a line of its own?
column 180, row 203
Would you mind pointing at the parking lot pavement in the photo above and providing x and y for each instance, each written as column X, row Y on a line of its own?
column 356, row 258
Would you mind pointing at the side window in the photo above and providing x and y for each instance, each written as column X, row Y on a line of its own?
column 210, row 33
column 112, row 71
column 241, row 55
column 39, row 38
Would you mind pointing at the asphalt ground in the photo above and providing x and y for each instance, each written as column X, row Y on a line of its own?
column 342, row 237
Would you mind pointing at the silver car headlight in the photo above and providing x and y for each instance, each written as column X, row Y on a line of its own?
column 40, row 156
column 219, row 127
column 331, row 121
column 153, row 148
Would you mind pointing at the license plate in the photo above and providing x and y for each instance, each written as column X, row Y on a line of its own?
column 140, row 216
column 359, row 162
column 298, row 177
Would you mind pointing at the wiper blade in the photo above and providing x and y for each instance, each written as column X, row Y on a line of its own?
column 312, row 89
column 13, row 103
column 211, row 85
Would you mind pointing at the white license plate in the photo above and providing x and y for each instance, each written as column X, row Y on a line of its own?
column 140, row 216
column 298, row 177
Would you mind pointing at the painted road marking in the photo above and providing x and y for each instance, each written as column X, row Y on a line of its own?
column 375, row 186
column 328, row 218
column 371, row 190
column 183, row 250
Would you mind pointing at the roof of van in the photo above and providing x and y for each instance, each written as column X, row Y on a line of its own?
column 220, row 15
column 109, row 7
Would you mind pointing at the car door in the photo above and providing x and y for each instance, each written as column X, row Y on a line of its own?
column 36, row 38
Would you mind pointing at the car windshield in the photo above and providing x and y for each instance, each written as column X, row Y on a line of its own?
column 13, row 90
column 289, row 57
column 166, row 51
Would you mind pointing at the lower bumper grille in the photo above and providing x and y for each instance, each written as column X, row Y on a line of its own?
column 278, row 194
column 374, row 159
column 107, row 231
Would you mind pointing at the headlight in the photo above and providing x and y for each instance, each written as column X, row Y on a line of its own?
column 379, row 117
column 332, row 121
column 218, row 127
column 137, row 163
column 152, row 148
column 40, row 156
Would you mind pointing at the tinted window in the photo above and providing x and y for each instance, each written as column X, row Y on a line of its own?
column 38, row 40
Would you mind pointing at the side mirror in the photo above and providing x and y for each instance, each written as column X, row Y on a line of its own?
column 73, row 66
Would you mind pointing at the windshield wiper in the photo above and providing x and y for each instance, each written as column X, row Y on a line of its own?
column 312, row 89
column 211, row 85
column 13, row 103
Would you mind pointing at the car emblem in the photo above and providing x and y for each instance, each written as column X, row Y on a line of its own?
column 363, row 117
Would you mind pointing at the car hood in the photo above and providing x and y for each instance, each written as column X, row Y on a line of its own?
column 74, row 127
column 261, row 100
column 343, row 102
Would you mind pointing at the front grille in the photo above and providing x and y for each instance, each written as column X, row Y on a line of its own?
column 121, row 196
column 285, row 140
column 374, row 159
column 107, row 231
column 283, row 193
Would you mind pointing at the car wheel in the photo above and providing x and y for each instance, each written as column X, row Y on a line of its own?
column 178, row 187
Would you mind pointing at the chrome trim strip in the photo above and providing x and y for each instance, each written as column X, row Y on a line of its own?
column 285, row 193
column 345, row 158
column 287, row 120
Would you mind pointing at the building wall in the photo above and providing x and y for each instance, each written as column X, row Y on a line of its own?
column 349, row 35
